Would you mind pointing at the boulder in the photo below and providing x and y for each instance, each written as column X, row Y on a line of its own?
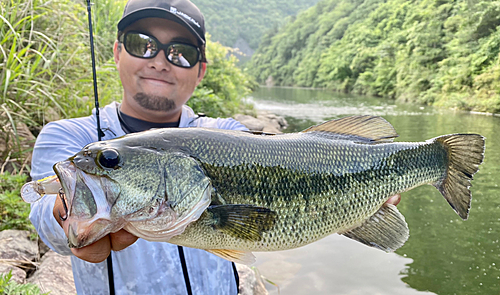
column 272, row 119
column 24, row 140
column 250, row 122
column 265, row 122
column 42, row 248
column 250, row 282
column 18, row 274
column 54, row 274
column 51, row 114
column 16, row 245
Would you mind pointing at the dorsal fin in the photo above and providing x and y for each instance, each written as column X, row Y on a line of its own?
column 372, row 128
column 254, row 132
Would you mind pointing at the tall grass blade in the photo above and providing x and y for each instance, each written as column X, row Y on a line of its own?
column 6, row 83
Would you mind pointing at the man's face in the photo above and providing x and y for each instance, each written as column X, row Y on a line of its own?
column 155, row 89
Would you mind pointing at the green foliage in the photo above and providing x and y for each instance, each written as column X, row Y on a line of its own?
column 45, row 62
column 14, row 212
column 229, row 21
column 221, row 92
column 9, row 287
column 438, row 52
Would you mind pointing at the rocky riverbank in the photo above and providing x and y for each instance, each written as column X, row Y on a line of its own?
column 32, row 262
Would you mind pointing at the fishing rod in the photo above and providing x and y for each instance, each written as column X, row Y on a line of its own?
column 100, row 134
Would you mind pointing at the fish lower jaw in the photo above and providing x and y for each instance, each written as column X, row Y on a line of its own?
column 83, row 234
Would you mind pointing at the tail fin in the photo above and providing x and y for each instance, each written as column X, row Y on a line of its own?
column 465, row 153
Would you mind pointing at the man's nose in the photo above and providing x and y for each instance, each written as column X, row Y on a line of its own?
column 159, row 62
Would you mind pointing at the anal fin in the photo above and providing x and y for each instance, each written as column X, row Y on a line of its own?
column 386, row 229
column 234, row 255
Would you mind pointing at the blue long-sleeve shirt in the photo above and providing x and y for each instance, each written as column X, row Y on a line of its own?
column 144, row 267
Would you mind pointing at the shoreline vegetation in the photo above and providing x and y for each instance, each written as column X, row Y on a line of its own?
column 439, row 52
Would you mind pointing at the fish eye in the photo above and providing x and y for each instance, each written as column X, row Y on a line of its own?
column 109, row 159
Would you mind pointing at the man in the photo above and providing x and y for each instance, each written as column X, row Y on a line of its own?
column 155, row 90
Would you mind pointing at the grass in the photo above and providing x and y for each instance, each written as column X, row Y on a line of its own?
column 45, row 69
column 14, row 212
column 9, row 287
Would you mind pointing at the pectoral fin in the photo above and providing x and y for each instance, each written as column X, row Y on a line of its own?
column 386, row 230
column 234, row 255
column 242, row 221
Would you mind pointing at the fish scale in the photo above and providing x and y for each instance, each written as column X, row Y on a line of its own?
column 316, row 187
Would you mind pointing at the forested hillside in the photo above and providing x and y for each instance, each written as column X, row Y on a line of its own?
column 439, row 52
column 236, row 22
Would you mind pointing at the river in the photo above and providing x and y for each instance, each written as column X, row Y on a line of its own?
column 444, row 255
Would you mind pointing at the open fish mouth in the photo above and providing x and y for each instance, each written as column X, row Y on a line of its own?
column 90, row 200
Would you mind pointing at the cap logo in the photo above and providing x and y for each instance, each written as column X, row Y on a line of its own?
column 175, row 11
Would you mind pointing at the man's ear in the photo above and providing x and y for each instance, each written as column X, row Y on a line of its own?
column 201, row 72
column 117, row 48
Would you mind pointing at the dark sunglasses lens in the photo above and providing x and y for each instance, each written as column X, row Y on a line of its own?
column 183, row 55
column 140, row 45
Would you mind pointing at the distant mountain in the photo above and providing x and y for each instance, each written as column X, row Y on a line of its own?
column 242, row 23
column 443, row 52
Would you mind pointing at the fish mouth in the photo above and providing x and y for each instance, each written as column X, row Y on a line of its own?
column 90, row 199
column 66, row 172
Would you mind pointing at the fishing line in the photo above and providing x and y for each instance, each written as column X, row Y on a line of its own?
column 100, row 134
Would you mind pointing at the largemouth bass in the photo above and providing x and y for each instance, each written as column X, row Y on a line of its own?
column 234, row 192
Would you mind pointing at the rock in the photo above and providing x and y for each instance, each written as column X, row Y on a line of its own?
column 250, row 122
column 265, row 122
column 18, row 275
column 271, row 129
column 270, row 81
column 3, row 145
column 9, row 142
column 42, row 248
column 24, row 135
column 250, row 283
column 54, row 275
column 272, row 119
column 16, row 245
column 51, row 114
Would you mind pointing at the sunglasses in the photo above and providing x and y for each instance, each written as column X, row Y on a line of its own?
column 144, row 46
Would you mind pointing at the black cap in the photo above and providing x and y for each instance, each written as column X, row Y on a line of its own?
column 180, row 11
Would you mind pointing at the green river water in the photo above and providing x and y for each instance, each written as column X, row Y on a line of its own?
column 444, row 255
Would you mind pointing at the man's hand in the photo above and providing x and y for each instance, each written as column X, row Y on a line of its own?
column 100, row 250
column 394, row 200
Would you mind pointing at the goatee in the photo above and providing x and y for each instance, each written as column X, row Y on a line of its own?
column 154, row 102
